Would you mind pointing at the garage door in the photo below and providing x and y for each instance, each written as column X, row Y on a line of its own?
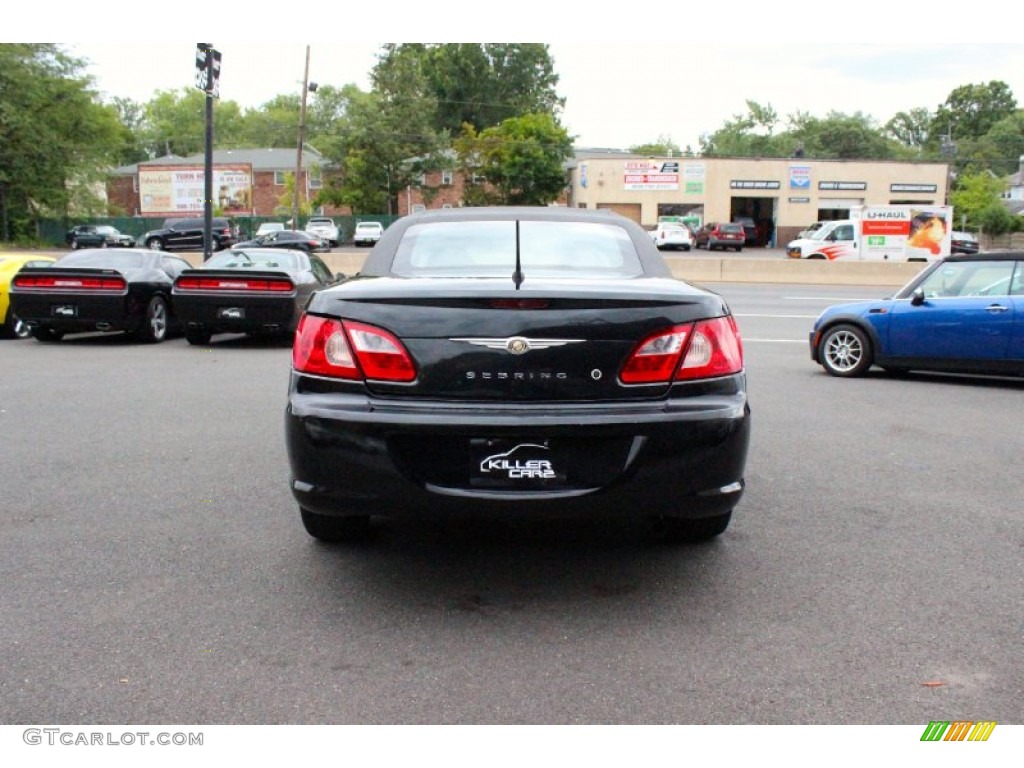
column 629, row 210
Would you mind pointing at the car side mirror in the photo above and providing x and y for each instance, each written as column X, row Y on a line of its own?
column 917, row 297
column 339, row 277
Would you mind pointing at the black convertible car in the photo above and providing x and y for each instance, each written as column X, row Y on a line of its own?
column 286, row 238
column 515, row 362
column 99, row 290
column 254, row 291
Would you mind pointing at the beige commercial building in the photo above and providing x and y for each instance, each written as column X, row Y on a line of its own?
column 781, row 195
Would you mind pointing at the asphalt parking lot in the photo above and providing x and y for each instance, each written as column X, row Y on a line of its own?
column 155, row 568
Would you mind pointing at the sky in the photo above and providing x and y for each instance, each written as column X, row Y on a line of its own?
column 628, row 79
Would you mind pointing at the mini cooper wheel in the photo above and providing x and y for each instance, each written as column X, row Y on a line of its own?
column 845, row 350
column 154, row 327
column 335, row 529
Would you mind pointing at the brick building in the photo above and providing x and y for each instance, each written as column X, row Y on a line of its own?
column 249, row 182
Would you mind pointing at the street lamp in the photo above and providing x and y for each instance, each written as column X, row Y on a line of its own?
column 307, row 88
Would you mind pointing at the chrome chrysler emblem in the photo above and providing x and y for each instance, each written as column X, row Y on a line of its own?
column 518, row 345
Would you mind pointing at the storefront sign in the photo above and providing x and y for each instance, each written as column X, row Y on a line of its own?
column 832, row 186
column 752, row 184
column 925, row 188
column 799, row 177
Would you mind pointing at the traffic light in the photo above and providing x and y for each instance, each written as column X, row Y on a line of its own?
column 208, row 69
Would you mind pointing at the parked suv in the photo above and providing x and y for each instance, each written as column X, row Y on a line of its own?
column 713, row 236
column 324, row 228
column 186, row 234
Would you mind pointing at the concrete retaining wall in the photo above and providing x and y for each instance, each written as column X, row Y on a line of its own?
column 705, row 269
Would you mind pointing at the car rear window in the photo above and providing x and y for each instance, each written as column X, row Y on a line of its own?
column 279, row 259
column 731, row 228
column 103, row 259
column 488, row 249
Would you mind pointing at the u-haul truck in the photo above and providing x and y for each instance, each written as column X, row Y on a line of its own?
column 881, row 233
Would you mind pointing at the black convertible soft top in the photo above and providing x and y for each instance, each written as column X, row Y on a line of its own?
column 381, row 259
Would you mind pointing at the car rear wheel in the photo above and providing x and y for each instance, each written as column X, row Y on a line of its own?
column 198, row 338
column 47, row 334
column 335, row 529
column 686, row 530
column 155, row 244
column 154, row 329
column 845, row 350
column 74, row 245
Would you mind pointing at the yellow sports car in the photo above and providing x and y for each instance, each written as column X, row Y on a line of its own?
column 10, row 326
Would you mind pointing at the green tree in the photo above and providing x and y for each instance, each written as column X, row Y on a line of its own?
column 910, row 128
column 384, row 142
column 974, row 194
column 521, row 160
column 970, row 111
column 175, row 123
column 56, row 139
column 663, row 147
column 748, row 135
column 477, row 83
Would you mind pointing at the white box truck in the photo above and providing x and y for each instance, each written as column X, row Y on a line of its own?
column 881, row 233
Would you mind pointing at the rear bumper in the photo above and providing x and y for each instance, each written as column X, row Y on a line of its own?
column 79, row 313
column 236, row 314
column 355, row 455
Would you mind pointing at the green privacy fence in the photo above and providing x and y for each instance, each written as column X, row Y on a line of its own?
column 53, row 231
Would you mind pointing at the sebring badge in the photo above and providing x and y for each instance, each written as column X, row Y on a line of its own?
column 518, row 345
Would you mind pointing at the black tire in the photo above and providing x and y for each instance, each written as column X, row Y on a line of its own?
column 335, row 529
column 155, row 244
column 686, row 248
column 739, row 248
column 845, row 351
column 46, row 335
column 74, row 245
column 690, row 530
column 154, row 328
column 198, row 338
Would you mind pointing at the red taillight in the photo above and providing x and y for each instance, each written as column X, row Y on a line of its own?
column 715, row 350
column 712, row 348
column 230, row 284
column 71, row 283
column 657, row 357
column 349, row 350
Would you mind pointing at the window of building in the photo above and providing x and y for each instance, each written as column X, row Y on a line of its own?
column 279, row 178
column 418, row 208
column 315, row 181
column 446, row 178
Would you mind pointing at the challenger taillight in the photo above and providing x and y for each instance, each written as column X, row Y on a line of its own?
column 701, row 350
column 231, row 284
column 350, row 350
column 61, row 283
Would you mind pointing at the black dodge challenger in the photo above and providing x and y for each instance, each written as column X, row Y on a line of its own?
column 99, row 290
column 259, row 291
column 515, row 362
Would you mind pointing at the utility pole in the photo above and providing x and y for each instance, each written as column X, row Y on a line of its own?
column 307, row 87
column 208, row 80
